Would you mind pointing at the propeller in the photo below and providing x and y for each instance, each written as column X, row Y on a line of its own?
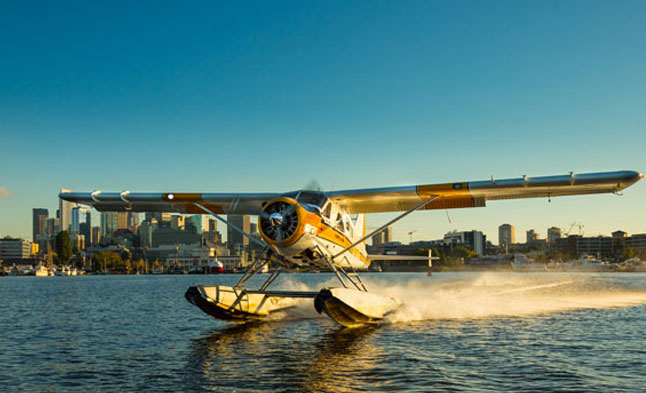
column 278, row 220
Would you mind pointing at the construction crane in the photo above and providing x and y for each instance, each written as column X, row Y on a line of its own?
column 410, row 233
column 575, row 224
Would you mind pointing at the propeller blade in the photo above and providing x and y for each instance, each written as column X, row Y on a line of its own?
column 289, row 210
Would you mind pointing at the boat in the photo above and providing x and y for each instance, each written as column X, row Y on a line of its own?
column 215, row 266
column 41, row 271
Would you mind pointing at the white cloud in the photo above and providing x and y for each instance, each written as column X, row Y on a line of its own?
column 4, row 193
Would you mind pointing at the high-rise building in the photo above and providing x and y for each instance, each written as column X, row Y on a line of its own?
column 146, row 233
column 132, row 219
column 122, row 220
column 75, row 227
column 378, row 239
column 474, row 240
column 532, row 236
column 109, row 223
column 388, row 234
column 65, row 212
column 39, row 222
column 52, row 226
column 553, row 233
column 234, row 237
column 506, row 235
column 96, row 236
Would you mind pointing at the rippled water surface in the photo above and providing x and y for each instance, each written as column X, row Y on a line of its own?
column 455, row 332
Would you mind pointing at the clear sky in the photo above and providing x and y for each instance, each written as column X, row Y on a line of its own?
column 222, row 97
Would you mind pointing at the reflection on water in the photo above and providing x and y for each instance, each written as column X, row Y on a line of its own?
column 277, row 356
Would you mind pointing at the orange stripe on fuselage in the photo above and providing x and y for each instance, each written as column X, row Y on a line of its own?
column 330, row 234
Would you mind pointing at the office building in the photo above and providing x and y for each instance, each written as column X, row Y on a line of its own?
column 475, row 240
column 553, row 233
column 39, row 222
column 532, row 236
column 388, row 234
column 75, row 227
column 65, row 212
column 234, row 237
column 14, row 248
column 506, row 235
column 109, row 223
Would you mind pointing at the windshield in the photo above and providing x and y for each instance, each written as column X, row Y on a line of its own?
column 312, row 198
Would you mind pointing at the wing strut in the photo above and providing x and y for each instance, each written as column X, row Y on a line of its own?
column 253, row 239
column 383, row 227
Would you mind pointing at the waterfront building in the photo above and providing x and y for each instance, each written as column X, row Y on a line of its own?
column 39, row 222
column 553, row 233
column 637, row 242
column 65, row 212
column 14, row 248
column 475, row 240
column 506, row 235
column 235, row 238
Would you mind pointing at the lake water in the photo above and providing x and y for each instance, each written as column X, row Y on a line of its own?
column 455, row 332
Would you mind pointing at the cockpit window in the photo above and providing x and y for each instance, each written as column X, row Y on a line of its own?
column 312, row 198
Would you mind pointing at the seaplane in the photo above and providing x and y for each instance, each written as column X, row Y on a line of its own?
column 314, row 230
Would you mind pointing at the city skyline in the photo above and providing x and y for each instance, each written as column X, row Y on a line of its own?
column 249, row 98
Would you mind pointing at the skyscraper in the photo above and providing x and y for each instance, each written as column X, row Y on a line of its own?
column 388, row 234
column 506, row 235
column 39, row 222
column 122, row 220
column 65, row 212
column 108, row 223
column 234, row 237
column 76, row 220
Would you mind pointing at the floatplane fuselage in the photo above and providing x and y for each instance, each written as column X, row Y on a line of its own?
column 313, row 230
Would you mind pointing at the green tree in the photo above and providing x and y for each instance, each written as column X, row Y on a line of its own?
column 106, row 260
column 627, row 253
column 63, row 248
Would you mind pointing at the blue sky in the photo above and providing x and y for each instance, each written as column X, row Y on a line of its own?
column 220, row 97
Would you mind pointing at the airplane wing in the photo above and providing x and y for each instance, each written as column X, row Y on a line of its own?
column 475, row 194
column 371, row 200
column 220, row 203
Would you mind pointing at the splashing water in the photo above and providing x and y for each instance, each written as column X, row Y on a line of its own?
column 506, row 294
column 482, row 295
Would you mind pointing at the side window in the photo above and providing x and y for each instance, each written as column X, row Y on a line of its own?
column 338, row 222
column 327, row 211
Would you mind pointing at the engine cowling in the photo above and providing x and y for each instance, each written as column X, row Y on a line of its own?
column 281, row 222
